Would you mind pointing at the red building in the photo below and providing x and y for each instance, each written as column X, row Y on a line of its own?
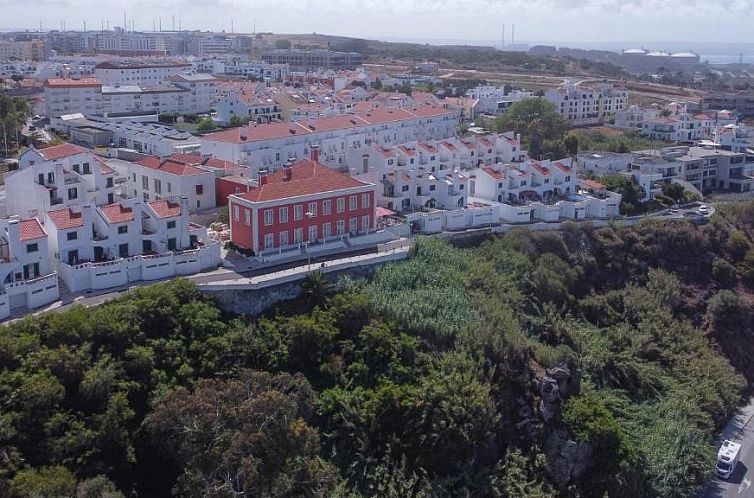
column 305, row 203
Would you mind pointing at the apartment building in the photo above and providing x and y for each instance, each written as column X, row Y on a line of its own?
column 270, row 146
column 147, row 138
column 135, row 99
column 678, row 127
column 634, row 117
column 249, row 106
column 58, row 176
column 494, row 101
column 311, row 60
column 99, row 247
column 542, row 191
column 33, row 50
column 66, row 96
column 742, row 103
column 704, row 168
column 113, row 73
column 305, row 204
column 584, row 105
column 733, row 137
column 173, row 177
column 418, row 189
column 26, row 275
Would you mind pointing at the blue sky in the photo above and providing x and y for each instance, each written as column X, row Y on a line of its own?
column 536, row 20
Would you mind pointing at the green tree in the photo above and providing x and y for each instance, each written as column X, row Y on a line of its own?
column 571, row 143
column 47, row 482
column 236, row 121
column 317, row 289
column 206, row 124
column 247, row 436
column 537, row 120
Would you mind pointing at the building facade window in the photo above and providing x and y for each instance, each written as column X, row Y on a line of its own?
column 32, row 247
column 353, row 203
column 171, row 224
column 144, row 182
column 269, row 241
column 298, row 235
column 326, row 207
column 313, row 233
column 123, row 229
column 365, row 223
column 247, row 216
column 341, row 227
column 283, row 215
column 72, row 236
column 268, row 217
column 298, row 211
column 326, row 230
column 284, row 238
column 364, row 200
column 341, row 204
column 236, row 213
column 157, row 186
column 353, row 225
column 312, row 210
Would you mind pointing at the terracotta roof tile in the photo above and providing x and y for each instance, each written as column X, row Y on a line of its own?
column 65, row 219
column 116, row 213
column 170, row 165
column 165, row 208
column 307, row 178
column 60, row 151
column 31, row 229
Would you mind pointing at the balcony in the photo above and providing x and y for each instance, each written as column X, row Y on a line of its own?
column 54, row 201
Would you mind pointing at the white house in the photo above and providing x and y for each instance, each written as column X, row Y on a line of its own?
column 269, row 146
column 248, row 106
column 62, row 175
column 26, row 276
column 138, row 72
column 66, row 96
column 582, row 104
column 176, row 176
column 110, row 246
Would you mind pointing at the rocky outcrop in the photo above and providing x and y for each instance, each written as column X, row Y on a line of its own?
column 556, row 384
column 567, row 460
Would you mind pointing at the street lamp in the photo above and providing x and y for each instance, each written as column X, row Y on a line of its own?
column 309, row 216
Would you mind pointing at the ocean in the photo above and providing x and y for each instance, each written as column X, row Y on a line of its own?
column 728, row 59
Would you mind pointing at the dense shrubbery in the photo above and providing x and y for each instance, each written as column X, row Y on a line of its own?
column 423, row 381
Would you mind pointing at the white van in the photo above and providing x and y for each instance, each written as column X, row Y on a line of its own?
column 727, row 458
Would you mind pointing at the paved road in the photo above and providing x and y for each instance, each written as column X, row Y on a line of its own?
column 739, row 429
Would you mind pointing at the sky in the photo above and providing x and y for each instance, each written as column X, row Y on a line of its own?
column 557, row 21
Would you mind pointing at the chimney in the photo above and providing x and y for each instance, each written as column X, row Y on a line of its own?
column 244, row 133
column 262, row 177
column 315, row 153
column 287, row 171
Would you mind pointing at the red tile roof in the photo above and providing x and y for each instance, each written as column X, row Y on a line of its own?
column 116, row 213
column 591, row 184
column 104, row 168
column 165, row 208
column 170, row 165
column 31, row 229
column 541, row 169
column 65, row 219
column 429, row 148
column 307, row 178
column 60, row 151
column 209, row 162
column 367, row 117
column 562, row 167
column 498, row 175
column 73, row 83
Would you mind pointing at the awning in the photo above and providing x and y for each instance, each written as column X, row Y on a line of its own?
column 382, row 212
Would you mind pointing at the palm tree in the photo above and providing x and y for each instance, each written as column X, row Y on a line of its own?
column 317, row 289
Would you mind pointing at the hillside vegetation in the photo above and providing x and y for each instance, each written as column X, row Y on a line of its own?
column 582, row 363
